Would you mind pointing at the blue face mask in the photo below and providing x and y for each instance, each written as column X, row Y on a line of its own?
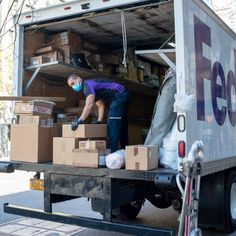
column 77, row 87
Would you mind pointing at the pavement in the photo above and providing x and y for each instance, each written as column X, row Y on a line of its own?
column 14, row 189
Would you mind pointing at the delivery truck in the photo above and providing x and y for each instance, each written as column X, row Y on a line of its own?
column 135, row 42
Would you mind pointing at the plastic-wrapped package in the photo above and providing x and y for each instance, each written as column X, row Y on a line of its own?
column 183, row 103
column 116, row 160
column 168, row 153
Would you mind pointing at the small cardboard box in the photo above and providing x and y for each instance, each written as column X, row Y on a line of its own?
column 56, row 55
column 31, row 143
column 88, row 157
column 141, row 157
column 35, row 120
column 34, row 108
column 92, row 144
column 38, row 60
column 44, row 50
column 85, row 131
column 63, row 150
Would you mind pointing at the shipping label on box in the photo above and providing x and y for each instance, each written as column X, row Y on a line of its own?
column 88, row 157
column 63, row 150
column 141, row 157
column 34, row 108
column 92, row 144
column 85, row 131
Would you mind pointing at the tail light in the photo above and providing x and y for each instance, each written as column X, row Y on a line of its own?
column 181, row 149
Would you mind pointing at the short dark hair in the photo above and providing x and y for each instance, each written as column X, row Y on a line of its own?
column 72, row 76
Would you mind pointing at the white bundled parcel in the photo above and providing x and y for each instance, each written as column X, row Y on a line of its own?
column 183, row 103
column 168, row 153
column 195, row 151
column 116, row 160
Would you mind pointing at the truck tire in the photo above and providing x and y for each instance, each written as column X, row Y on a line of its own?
column 132, row 209
column 230, row 202
column 160, row 201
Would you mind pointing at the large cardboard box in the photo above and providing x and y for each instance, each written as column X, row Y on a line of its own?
column 68, row 50
column 141, row 157
column 34, row 108
column 93, row 144
column 63, row 150
column 88, row 157
column 31, row 143
column 64, row 38
column 35, row 120
column 85, row 131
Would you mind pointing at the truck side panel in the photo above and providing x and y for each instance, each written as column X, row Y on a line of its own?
column 210, row 54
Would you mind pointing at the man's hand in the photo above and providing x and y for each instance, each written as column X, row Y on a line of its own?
column 96, row 122
column 76, row 123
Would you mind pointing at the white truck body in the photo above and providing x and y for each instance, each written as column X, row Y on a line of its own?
column 205, row 68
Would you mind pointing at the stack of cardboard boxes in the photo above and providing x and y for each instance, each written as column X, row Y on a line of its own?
column 60, row 48
column 84, row 147
column 31, row 138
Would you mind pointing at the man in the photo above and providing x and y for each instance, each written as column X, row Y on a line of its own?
column 98, row 90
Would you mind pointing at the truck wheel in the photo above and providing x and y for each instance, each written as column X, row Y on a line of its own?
column 230, row 203
column 160, row 201
column 132, row 209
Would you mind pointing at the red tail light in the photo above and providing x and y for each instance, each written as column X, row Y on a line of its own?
column 181, row 149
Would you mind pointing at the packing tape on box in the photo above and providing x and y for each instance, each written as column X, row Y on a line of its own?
column 137, row 165
column 135, row 151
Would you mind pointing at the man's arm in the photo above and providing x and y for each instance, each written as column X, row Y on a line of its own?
column 101, row 109
column 90, row 100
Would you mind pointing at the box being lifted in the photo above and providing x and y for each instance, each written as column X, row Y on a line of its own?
column 85, row 131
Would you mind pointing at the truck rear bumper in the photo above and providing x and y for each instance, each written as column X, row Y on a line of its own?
column 88, row 222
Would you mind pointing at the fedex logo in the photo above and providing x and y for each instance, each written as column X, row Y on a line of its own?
column 221, row 83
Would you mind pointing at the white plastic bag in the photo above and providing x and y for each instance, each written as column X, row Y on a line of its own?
column 168, row 153
column 116, row 160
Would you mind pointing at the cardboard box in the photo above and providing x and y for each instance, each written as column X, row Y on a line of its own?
column 44, row 50
column 55, row 55
column 132, row 71
column 92, row 144
column 64, row 38
column 110, row 59
column 35, row 120
column 31, row 143
column 89, row 46
column 141, row 157
column 63, row 150
column 140, row 75
column 41, row 108
column 68, row 50
column 37, row 60
column 88, row 157
column 85, row 131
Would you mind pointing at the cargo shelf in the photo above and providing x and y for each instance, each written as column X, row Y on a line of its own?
column 62, row 70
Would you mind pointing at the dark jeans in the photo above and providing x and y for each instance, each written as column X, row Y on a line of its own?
column 118, row 121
